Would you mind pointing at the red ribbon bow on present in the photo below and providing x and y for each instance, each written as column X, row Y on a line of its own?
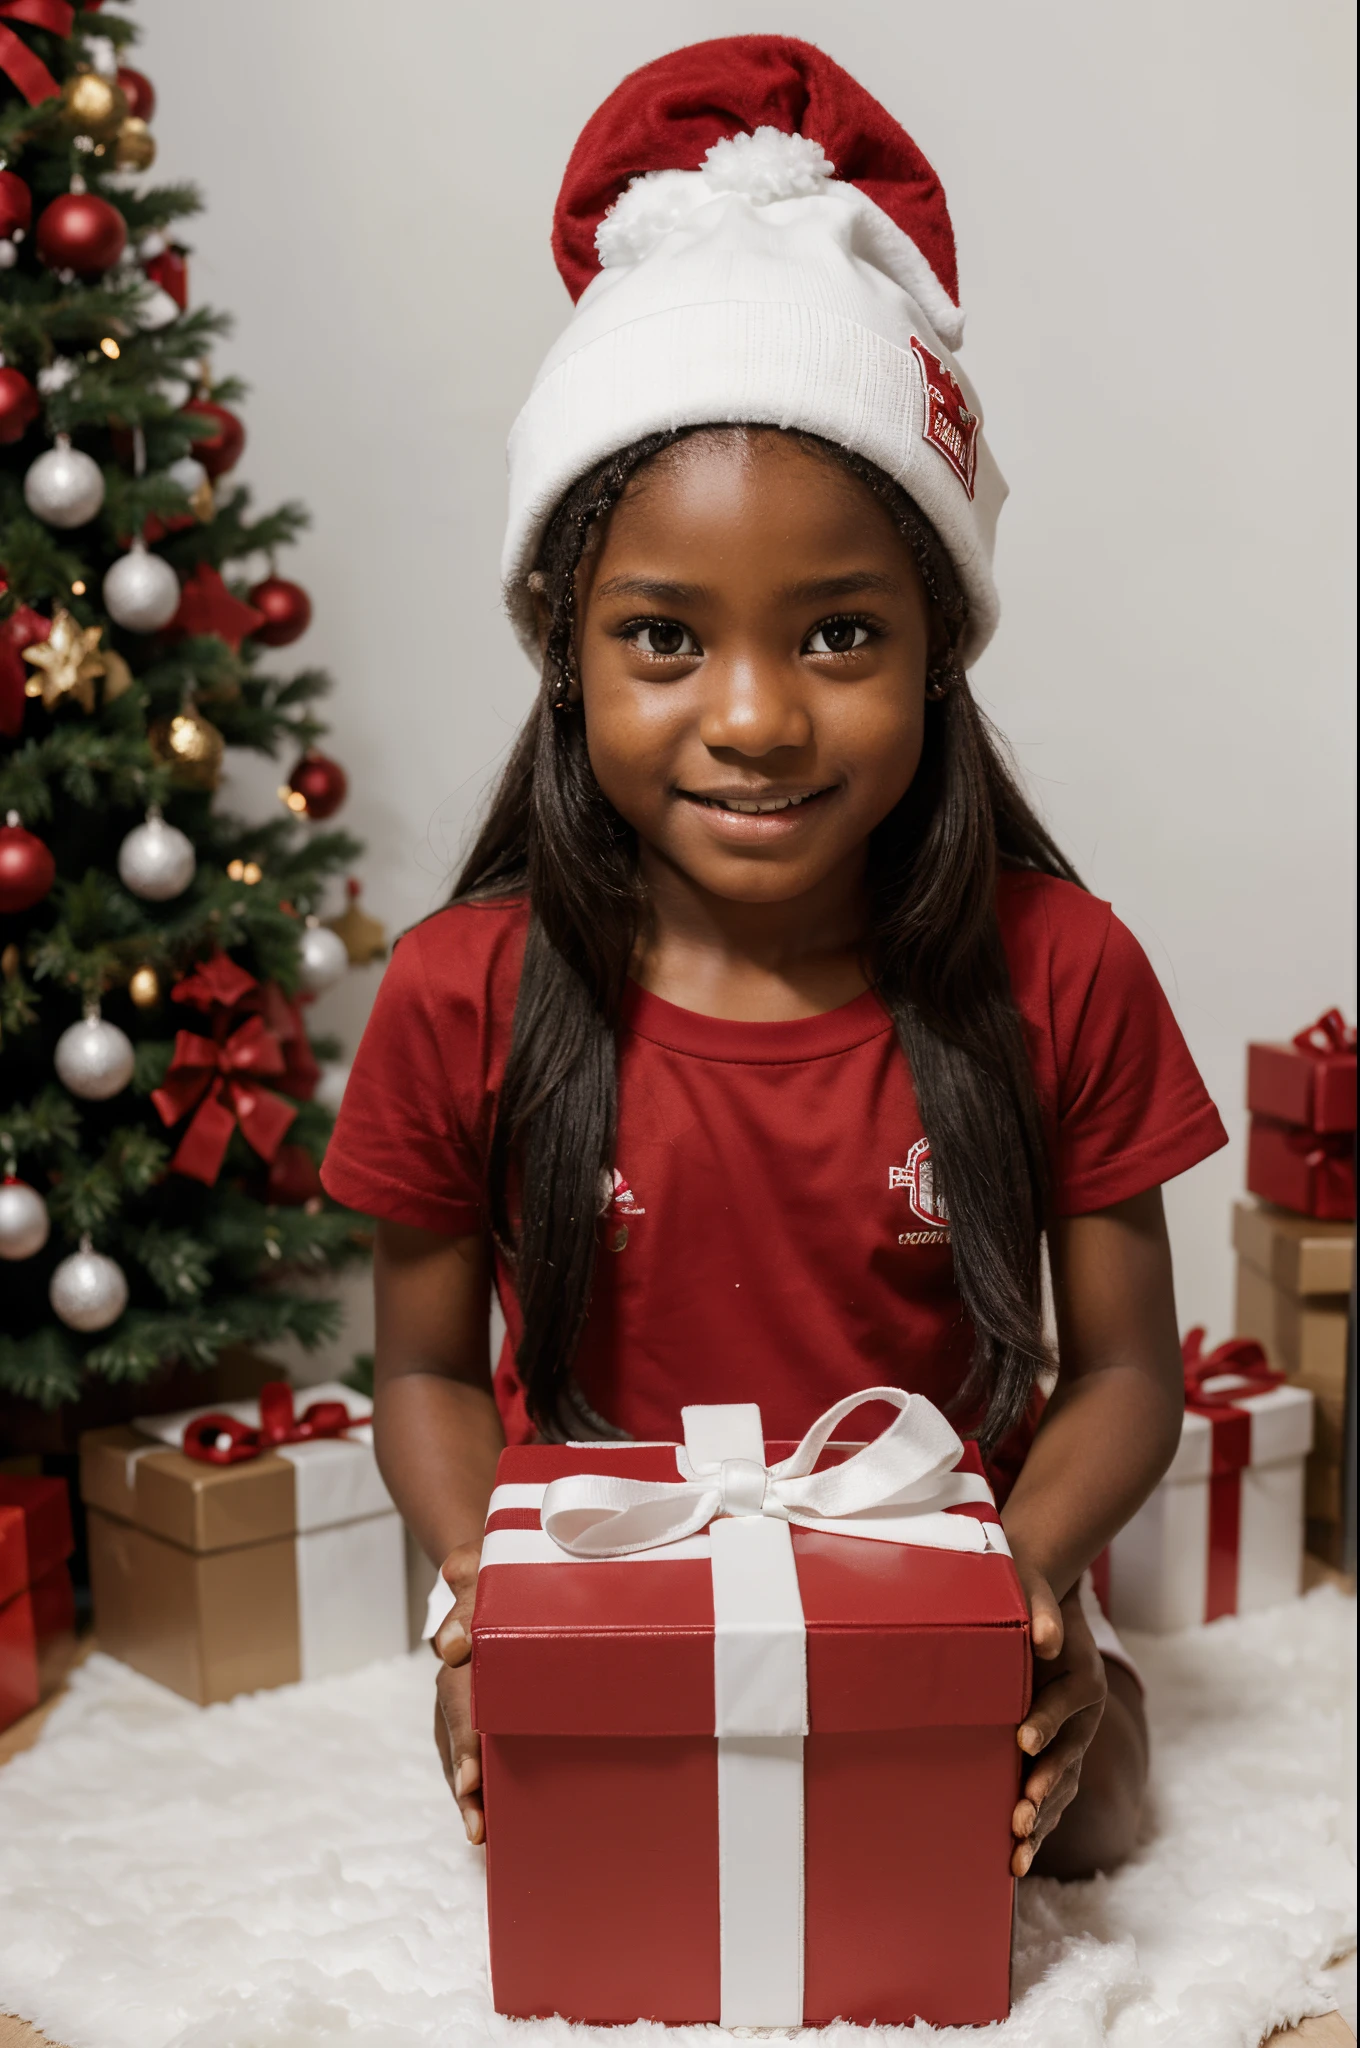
column 20, row 64
column 1240, row 1367
column 217, row 1439
column 220, row 1076
column 1329, row 1036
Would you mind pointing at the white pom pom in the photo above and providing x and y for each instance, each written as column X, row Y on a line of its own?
column 768, row 165
column 763, row 167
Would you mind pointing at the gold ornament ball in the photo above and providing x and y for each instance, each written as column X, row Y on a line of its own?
column 145, row 988
column 135, row 149
column 190, row 747
column 94, row 105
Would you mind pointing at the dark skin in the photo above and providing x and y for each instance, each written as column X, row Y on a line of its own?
column 752, row 630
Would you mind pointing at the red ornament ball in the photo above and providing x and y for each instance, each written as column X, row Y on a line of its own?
column 321, row 783
column 16, row 206
column 138, row 91
column 220, row 448
column 293, row 1178
column 287, row 611
column 19, row 405
column 80, row 231
column 27, row 869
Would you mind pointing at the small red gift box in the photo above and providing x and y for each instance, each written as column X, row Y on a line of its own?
column 37, row 1607
column 1310, row 1172
column 1309, row 1082
column 748, row 1744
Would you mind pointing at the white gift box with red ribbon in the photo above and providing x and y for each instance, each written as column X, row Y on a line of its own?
column 1223, row 1532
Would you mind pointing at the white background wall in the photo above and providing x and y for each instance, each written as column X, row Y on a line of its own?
column 1154, row 214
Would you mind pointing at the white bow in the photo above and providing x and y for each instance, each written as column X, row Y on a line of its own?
column 894, row 1489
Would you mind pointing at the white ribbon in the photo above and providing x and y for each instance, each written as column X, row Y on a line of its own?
column 896, row 1489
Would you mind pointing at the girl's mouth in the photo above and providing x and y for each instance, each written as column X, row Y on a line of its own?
column 736, row 815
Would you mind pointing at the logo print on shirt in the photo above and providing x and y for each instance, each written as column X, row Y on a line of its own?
column 917, row 1179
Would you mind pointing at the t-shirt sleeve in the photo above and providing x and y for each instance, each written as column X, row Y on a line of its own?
column 406, row 1144
column 1132, row 1110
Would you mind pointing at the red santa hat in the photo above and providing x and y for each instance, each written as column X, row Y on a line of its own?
column 751, row 238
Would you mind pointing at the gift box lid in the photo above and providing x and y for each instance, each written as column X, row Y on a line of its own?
column 1298, row 1253
column 897, row 1636
column 35, row 1530
column 137, row 1475
column 1279, row 1426
column 1314, row 1088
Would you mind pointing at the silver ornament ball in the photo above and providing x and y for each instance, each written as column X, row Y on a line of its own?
column 156, row 861
column 94, row 1059
column 323, row 958
column 64, row 487
column 188, row 472
column 24, row 1222
column 88, row 1291
column 141, row 592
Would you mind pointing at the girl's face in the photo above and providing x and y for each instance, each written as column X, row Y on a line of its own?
column 752, row 646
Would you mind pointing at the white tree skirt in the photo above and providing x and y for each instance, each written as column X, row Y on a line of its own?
column 288, row 1869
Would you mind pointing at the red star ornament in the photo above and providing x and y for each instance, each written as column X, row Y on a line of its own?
column 207, row 606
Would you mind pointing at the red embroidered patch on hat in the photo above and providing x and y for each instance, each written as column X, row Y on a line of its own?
column 948, row 424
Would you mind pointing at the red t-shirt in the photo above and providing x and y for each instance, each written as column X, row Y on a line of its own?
column 772, row 1235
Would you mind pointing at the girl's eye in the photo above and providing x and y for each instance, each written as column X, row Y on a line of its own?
column 662, row 637
column 838, row 636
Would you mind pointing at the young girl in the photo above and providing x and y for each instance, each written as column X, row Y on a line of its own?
column 769, row 1038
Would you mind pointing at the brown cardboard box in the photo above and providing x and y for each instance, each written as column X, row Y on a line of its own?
column 1293, row 1295
column 219, row 1579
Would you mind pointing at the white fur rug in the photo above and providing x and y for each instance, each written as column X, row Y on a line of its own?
column 287, row 1871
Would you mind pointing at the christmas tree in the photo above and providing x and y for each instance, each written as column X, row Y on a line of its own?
column 159, row 1132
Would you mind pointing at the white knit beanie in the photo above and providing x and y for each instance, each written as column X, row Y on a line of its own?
column 751, row 238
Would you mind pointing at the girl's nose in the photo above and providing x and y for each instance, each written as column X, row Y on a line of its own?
column 753, row 708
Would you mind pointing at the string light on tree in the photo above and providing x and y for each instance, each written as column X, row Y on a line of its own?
column 27, row 869
column 248, row 871
column 322, row 958
column 144, row 987
column 156, row 861
column 94, row 1059
column 64, row 487
column 141, row 591
column 88, row 1290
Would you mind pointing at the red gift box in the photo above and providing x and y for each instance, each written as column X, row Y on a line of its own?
column 758, row 1769
column 37, row 1606
column 1310, row 1172
column 1309, row 1082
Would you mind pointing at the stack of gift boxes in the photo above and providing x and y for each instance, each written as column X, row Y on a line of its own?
column 1262, row 1456
column 1295, row 1244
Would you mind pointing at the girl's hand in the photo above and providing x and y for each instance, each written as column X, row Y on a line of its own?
column 1069, row 1699
column 460, row 1749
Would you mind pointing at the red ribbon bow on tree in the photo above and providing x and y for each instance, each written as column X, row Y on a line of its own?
column 218, row 1439
column 220, row 1076
column 20, row 64
column 1329, row 1036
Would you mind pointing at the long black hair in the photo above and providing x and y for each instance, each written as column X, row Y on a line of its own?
column 932, row 952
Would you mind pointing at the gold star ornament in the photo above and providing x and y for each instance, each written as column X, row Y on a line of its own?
column 67, row 662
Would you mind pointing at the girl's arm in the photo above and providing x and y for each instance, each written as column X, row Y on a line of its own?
column 438, row 1435
column 1108, row 1433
